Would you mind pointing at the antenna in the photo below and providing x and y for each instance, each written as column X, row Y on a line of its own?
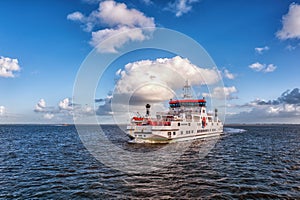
column 187, row 91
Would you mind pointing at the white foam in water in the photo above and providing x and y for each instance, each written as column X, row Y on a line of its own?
column 234, row 130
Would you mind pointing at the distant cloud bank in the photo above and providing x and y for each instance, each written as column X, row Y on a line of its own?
column 284, row 109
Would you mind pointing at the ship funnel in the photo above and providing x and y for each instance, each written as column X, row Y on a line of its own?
column 148, row 109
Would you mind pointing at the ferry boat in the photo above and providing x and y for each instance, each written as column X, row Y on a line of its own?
column 186, row 119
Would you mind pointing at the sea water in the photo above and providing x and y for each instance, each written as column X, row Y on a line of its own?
column 51, row 162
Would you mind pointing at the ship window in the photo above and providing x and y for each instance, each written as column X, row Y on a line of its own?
column 189, row 124
column 174, row 133
column 181, row 132
column 169, row 133
column 192, row 131
column 178, row 124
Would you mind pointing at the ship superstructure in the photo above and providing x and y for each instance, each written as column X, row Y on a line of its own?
column 186, row 119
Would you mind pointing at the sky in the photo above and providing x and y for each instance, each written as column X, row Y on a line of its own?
column 254, row 45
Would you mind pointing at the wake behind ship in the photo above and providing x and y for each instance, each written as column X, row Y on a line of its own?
column 187, row 119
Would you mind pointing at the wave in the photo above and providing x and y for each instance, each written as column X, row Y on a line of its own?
column 234, row 130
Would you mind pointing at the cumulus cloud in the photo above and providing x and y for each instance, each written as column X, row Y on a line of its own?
column 285, row 108
column 180, row 7
column 228, row 75
column 290, row 97
column 2, row 110
column 287, row 97
column 8, row 66
column 155, row 82
column 122, row 35
column 105, row 107
column 117, row 20
column 116, row 14
column 262, row 67
column 40, row 106
column 290, row 23
column 76, row 16
column 257, row 66
column 65, row 104
column 64, row 109
column 156, row 79
column 270, row 68
column 222, row 92
column 261, row 50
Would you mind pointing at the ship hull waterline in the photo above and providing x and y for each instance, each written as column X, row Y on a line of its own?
column 157, row 139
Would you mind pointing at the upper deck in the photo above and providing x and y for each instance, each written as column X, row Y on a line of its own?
column 187, row 103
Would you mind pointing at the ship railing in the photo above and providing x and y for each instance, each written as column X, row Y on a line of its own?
column 159, row 123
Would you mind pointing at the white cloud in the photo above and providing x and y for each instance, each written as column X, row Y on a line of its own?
column 261, row 50
column 119, row 21
column 40, row 106
column 290, row 23
column 228, row 75
column 180, row 7
column 155, row 80
column 263, row 67
column 64, row 110
column 282, row 113
column 8, row 66
column 284, row 109
column 48, row 116
column 117, row 14
column 123, row 35
column 76, row 16
column 270, row 68
column 65, row 104
column 2, row 110
column 222, row 93
column 257, row 66
column 152, row 81
column 118, row 73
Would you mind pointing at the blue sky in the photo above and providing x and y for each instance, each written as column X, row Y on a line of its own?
column 255, row 45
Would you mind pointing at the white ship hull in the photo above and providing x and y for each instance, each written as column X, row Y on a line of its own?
column 173, row 133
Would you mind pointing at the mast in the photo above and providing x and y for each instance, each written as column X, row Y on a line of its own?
column 187, row 91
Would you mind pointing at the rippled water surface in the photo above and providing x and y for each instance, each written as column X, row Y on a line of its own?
column 50, row 162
